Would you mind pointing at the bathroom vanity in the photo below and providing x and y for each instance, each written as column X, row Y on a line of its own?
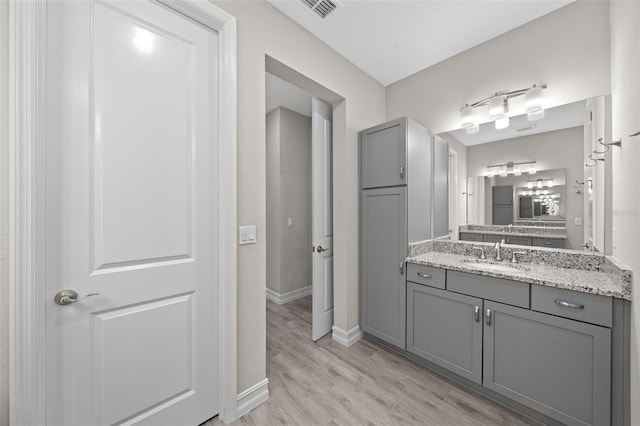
column 548, row 335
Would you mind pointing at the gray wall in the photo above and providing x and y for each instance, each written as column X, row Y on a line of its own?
column 263, row 30
column 4, row 215
column 560, row 149
column 625, row 102
column 288, row 196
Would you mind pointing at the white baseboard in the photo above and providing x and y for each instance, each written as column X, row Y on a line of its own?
column 346, row 338
column 282, row 298
column 252, row 397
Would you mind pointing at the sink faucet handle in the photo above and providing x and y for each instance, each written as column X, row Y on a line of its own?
column 514, row 259
column 482, row 256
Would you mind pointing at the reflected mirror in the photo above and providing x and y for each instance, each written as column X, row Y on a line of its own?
column 526, row 183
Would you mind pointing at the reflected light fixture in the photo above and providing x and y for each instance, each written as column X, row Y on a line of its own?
column 529, row 184
column 498, row 108
column 511, row 167
column 539, row 184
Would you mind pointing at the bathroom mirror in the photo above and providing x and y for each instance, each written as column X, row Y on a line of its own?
column 555, row 194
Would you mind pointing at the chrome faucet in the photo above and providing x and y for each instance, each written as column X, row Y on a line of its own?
column 498, row 246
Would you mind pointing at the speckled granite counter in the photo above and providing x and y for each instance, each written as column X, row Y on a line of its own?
column 517, row 231
column 567, row 269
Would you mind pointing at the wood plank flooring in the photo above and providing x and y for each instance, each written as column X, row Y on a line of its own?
column 324, row 383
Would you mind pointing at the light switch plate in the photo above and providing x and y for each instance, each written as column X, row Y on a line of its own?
column 577, row 221
column 290, row 222
column 247, row 234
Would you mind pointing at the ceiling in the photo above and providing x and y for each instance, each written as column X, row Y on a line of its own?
column 560, row 117
column 392, row 39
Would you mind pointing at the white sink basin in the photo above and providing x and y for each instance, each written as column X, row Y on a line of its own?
column 492, row 265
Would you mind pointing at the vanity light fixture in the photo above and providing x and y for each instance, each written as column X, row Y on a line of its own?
column 529, row 184
column 510, row 168
column 498, row 108
column 540, row 183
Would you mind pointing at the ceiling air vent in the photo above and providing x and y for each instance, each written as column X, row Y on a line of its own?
column 526, row 128
column 322, row 8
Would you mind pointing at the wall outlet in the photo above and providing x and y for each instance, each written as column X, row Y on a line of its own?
column 247, row 234
column 577, row 221
column 290, row 222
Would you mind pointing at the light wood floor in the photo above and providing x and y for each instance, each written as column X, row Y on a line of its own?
column 324, row 383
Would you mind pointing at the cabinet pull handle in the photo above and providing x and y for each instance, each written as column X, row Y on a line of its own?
column 476, row 313
column 547, row 243
column 401, row 268
column 401, row 172
column 569, row 304
column 488, row 316
column 420, row 274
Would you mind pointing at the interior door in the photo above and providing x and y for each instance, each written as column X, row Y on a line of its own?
column 322, row 217
column 132, row 213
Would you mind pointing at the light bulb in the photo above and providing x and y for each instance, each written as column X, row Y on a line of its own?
column 502, row 123
column 533, row 100
column 532, row 169
column 516, row 170
column 550, row 183
column 539, row 184
column 529, row 184
column 466, row 115
column 497, row 107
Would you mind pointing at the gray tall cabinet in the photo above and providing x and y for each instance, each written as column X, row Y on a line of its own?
column 396, row 208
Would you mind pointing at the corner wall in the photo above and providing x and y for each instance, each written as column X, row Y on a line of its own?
column 567, row 49
column 288, row 196
column 625, row 104
column 262, row 30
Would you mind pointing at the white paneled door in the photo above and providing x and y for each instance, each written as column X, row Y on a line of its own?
column 322, row 218
column 132, row 214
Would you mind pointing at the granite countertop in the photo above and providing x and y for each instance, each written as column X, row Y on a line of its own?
column 548, row 236
column 586, row 281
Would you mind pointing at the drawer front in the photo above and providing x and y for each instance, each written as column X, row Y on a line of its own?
column 522, row 241
column 585, row 307
column 544, row 242
column 434, row 277
column 505, row 291
column 465, row 236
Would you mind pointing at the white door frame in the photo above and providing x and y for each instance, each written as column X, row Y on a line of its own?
column 454, row 218
column 27, row 71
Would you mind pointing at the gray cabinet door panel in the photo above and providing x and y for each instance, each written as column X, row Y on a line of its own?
column 498, row 289
column 559, row 367
column 502, row 214
column 383, row 250
column 442, row 327
column 383, row 155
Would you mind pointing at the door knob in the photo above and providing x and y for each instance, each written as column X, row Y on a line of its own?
column 67, row 297
column 320, row 249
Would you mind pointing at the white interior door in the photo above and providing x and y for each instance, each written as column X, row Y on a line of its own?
column 131, row 184
column 322, row 217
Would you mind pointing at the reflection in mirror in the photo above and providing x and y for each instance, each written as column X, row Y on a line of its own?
column 523, row 180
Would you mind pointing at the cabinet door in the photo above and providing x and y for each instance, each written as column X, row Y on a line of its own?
column 557, row 366
column 446, row 329
column 383, row 155
column 383, row 250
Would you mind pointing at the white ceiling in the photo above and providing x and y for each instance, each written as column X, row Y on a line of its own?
column 560, row 117
column 392, row 39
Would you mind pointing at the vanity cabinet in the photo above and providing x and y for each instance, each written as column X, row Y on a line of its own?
column 547, row 242
column 446, row 329
column 467, row 236
column 488, row 330
column 521, row 241
column 557, row 366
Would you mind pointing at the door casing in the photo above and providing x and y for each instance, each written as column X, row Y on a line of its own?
column 27, row 112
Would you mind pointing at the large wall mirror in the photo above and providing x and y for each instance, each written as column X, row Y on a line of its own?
column 538, row 174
